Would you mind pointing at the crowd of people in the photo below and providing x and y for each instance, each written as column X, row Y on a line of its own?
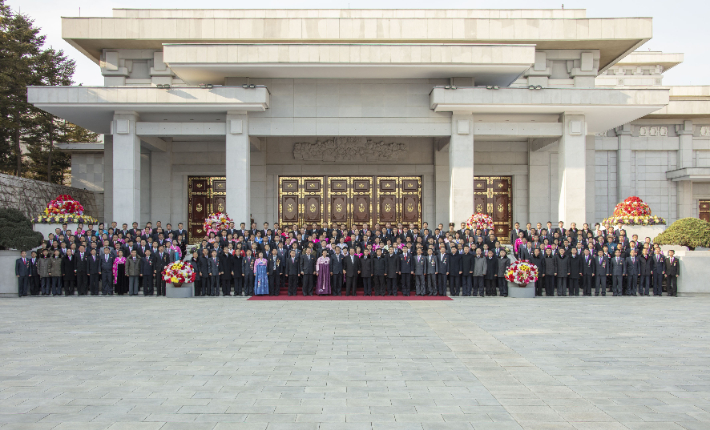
column 334, row 260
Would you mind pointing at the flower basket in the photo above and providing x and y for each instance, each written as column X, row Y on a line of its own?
column 216, row 222
column 480, row 221
column 521, row 273
column 178, row 273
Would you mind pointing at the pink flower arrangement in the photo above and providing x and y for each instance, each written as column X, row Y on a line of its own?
column 480, row 221
column 521, row 273
column 216, row 222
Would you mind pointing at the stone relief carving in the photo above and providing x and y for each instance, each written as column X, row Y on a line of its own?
column 705, row 131
column 653, row 131
column 348, row 149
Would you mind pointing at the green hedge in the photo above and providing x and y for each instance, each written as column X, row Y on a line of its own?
column 16, row 231
column 690, row 232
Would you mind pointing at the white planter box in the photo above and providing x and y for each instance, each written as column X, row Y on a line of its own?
column 8, row 280
column 522, row 293
column 694, row 271
column 186, row 291
column 644, row 231
column 45, row 229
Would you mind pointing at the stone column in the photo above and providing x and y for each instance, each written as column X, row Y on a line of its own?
column 237, row 159
column 685, row 152
column 108, row 179
column 126, row 169
column 685, row 203
column 623, row 163
column 161, row 164
column 461, row 167
column 572, row 167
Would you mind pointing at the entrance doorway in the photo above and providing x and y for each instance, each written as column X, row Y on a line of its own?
column 350, row 200
column 205, row 195
column 493, row 195
column 704, row 210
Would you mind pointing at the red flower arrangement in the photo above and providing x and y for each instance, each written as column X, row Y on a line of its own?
column 632, row 206
column 633, row 211
column 521, row 273
column 64, row 204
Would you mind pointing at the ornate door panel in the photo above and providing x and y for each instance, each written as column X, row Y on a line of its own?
column 289, row 209
column 704, row 210
column 493, row 195
column 313, row 209
column 338, row 209
column 206, row 195
column 361, row 200
column 350, row 200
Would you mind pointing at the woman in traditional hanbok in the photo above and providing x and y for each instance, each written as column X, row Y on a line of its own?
column 120, row 280
column 323, row 269
column 261, row 280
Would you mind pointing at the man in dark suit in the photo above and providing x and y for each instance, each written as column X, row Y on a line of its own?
column 146, row 273
column 293, row 272
column 561, row 262
column 336, row 273
column 658, row 271
column 514, row 233
column 248, row 273
column 93, row 268
column 352, row 270
column 379, row 271
column 442, row 272
column 274, row 270
column 491, row 273
column 69, row 273
column 601, row 270
column 633, row 272
column 392, row 272
column 161, row 260
column 34, row 275
column 466, row 271
column 226, row 270
column 576, row 269
column 672, row 273
column 308, row 270
column 82, row 278
column 106, row 270
column 646, row 269
column 22, row 271
column 587, row 272
column 406, row 269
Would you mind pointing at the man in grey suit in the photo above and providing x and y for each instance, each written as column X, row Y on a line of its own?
column 336, row 273
column 618, row 270
column 133, row 270
column 432, row 269
column 308, row 269
column 107, row 272
column 419, row 272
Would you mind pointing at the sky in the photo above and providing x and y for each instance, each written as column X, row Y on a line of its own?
column 680, row 26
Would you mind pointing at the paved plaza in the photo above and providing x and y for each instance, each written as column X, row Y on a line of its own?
column 226, row 363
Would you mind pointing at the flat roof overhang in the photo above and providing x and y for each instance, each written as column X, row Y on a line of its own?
column 603, row 109
column 94, row 107
column 613, row 37
column 212, row 63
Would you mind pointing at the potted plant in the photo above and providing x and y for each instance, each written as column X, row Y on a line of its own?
column 521, row 277
column 16, row 235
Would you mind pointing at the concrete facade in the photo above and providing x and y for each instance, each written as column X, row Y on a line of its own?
column 578, row 129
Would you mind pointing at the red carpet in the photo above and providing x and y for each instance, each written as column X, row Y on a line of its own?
column 360, row 296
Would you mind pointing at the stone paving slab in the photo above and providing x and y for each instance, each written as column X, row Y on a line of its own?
column 136, row 363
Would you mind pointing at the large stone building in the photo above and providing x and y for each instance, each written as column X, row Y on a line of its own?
column 370, row 116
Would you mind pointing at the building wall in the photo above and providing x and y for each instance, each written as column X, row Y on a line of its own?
column 87, row 171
